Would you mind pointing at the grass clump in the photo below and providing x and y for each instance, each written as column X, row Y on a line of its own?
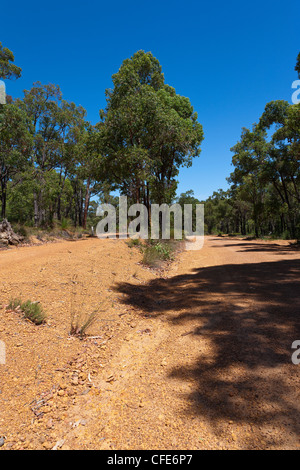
column 157, row 251
column 81, row 317
column 80, row 324
column 33, row 311
column 154, row 251
column 134, row 242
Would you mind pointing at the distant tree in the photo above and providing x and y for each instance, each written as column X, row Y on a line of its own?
column 58, row 130
column 189, row 198
column 8, row 69
column 283, row 161
column 250, row 154
column 15, row 147
column 297, row 68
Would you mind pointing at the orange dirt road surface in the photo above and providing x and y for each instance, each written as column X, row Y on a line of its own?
column 195, row 356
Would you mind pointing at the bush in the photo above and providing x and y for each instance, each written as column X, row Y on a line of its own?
column 22, row 232
column 134, row 242
column 157, row 251
column 65, row 223
column 33, row 311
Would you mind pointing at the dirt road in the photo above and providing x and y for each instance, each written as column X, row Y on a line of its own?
column 196, row 357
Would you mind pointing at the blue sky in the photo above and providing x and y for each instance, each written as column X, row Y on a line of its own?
column 230, row 58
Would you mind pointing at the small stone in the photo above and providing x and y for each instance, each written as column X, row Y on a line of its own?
column 59, row 444
column 2, row 441
column 50, row 423
column 47, row 445
column 75, row 381
column 46, row 409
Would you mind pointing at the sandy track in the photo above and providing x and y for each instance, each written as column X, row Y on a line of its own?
column 197, row 357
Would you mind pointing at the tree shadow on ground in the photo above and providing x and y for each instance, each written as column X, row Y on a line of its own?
column 263, row 247
column 244, row 319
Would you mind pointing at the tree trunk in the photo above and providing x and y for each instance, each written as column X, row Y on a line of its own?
column 86, row 203
column 3, row 199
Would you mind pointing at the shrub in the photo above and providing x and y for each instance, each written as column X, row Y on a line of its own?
column 156, row 251
column 22, row 232
column 14, row 304
column 65, row 223
column 33, row 311
column 134, row 242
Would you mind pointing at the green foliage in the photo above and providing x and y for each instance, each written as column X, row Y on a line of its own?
column 7, row 67
column 21, row 230
column 264, row 197
column 148, row 131
column 154, row 252
column 15, row 147
column 31, row 310
column 189, row 198
column 65, row 223
column 297, row 67
column 54, row 162
column 133, row 242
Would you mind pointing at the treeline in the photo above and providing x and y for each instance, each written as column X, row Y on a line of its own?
column 264, row 197
column 53, row 162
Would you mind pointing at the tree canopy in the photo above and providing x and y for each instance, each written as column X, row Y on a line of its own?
column 8, row 69
column 145, row 134
column 149, row 131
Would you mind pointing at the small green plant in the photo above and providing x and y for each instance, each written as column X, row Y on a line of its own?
column 134, row 242
column 33, row 311
column 23, row 232
column 65, row 223
column 156, row 251
column 14, row 304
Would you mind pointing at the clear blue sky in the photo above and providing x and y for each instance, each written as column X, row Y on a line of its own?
column 229, row 57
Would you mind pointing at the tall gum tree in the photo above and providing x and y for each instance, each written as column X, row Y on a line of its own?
column 148, row 131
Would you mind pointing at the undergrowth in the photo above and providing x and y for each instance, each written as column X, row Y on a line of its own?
column 33, row 311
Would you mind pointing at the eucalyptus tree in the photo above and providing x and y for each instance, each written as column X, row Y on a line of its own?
column 8, row 69
column 148, row 131
column 15, row 148
column 284, row 170
column 250, row 155
column 57, row 128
